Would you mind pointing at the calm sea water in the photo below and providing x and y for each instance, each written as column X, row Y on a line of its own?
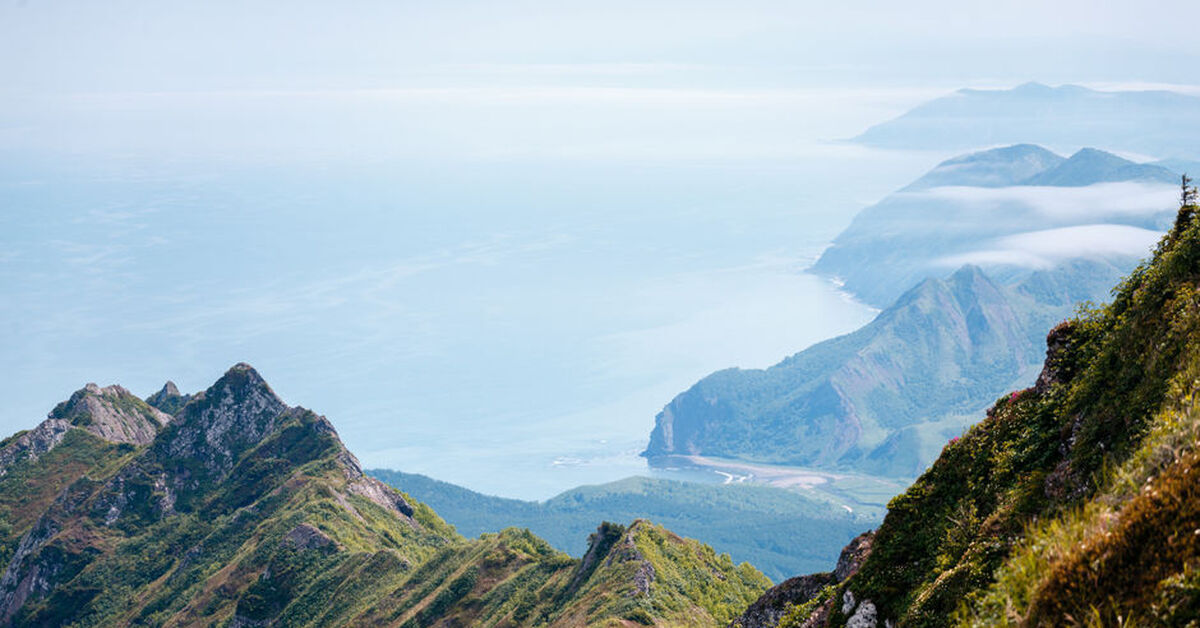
column 507, row 320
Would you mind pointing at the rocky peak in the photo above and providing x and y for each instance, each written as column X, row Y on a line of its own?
column 111, row 413
column 229, row 418
column 168, row 398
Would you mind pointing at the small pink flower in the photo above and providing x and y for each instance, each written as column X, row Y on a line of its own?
column 1013, row 397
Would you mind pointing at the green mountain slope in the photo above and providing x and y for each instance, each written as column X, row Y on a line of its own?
column 241, row 511
column 883, row 399
column 1075, row 501
column 779, row 532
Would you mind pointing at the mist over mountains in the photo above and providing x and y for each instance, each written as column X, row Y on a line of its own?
column 1160, row 123
column 974, row 261
column 1010, row 210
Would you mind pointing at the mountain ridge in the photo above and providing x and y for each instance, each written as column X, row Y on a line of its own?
column 748, row 522
column 244, row 511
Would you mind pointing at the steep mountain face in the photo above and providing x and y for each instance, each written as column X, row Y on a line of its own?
column 1147, row 122
column 779, row 531
column 240, row 510
column 1075, row 500
column 882, row 399
column 1013, row 211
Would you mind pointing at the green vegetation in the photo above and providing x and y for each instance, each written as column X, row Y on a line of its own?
column 780, row 532
column 1075, row 501
column 244, row 511
column 884, row 399
column 881, row 400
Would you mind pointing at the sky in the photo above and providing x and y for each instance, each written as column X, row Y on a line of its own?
column 488, row 239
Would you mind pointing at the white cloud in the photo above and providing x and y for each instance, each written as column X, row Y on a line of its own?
column 1045, row 248
column 1102, row 200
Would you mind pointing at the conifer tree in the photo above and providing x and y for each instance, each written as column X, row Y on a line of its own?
column 1187, row 202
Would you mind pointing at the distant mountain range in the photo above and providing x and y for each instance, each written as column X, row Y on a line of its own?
column 1010, row 210
column 886, row 398
column 1158, row 122
column 235, row 509
column 778, row 531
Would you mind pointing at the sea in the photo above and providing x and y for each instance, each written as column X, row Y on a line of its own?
column 506, row 314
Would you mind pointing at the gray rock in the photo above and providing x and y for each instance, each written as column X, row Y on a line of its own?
column 112, row 413
column 769, row 609
column 305, row 536
column 33, row 444
column 864, row 617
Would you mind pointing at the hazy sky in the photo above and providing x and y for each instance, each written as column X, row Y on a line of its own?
column 75, row 46
column 295, row 80
column 526, row 223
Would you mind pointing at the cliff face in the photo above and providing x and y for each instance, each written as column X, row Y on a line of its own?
column 240, row 510
column 882, row 399
column 1074, row 501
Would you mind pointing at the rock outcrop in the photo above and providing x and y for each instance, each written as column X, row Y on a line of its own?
column 783, row 598
column 110, row 413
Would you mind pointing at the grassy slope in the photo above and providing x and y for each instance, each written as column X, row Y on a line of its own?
column 282, row 539
column 28, row 489
column 198, row 566
column 1074, row 500
column 780, row 532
